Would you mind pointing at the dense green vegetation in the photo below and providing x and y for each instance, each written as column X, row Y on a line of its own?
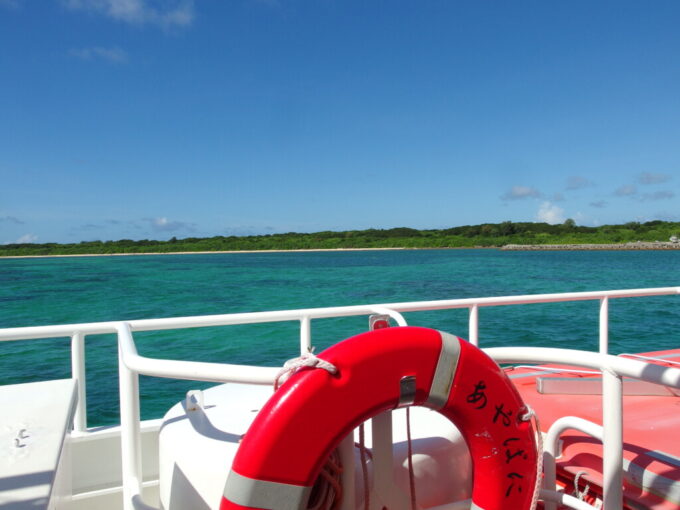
column 485, row 235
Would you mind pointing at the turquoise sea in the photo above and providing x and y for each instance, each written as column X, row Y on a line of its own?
column 88, row 289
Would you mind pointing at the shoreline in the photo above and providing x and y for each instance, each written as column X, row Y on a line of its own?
column 151, row 253
column 639, row 245
column 508, row 247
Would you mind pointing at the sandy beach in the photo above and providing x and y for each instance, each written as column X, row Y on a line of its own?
column 508, row 247
column 196, row 253
column 588, row 247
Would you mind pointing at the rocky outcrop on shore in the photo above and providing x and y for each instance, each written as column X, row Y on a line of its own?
column 614, row 246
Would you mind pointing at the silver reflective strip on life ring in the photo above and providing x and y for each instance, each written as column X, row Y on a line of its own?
column 474, row 506
column 253, row 493
column 445, row 371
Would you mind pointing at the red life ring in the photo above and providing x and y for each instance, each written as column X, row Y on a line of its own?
column 280, row 457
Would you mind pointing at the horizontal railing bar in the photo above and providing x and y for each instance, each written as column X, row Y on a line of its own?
column 96, row 328
column 64, row 330
column 657, row 374
column 190, row 370
column 565, row 500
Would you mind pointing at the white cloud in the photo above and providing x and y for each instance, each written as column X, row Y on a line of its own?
column 26, row 238
column 178, row 13
column 520, row 193
column 652, row 178
column 115, row 55
column 577, row 182
column 550, row 213
column 163, row 224
column 625, row 191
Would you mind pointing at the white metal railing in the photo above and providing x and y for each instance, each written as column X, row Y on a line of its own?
column 551, row 447
column 131, row 364
column 79, row 332
column 613, row 369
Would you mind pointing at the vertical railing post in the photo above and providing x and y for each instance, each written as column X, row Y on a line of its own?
column 604, row 325
column 384, row 488
column 305, row 334
column 78, row 373
column 612, row 424
column 473, row 335
column 130, row 433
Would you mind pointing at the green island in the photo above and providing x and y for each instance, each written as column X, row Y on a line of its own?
column 633, row 235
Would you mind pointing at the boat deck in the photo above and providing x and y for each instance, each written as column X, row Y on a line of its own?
column 36, row 421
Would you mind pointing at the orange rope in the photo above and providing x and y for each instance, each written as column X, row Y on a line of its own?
column 327, row 492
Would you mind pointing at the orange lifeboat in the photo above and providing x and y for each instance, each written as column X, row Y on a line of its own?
column 651, row 449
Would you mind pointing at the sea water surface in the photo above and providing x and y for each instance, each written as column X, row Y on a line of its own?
column 50, row 291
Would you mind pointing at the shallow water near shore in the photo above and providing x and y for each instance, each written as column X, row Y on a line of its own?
column 89, row 289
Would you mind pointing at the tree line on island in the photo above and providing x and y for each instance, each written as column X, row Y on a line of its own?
column 468, row 236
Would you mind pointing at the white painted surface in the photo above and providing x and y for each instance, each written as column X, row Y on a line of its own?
column 28, row 464
column 97, row 459
column 197, row 447
column 442, row 467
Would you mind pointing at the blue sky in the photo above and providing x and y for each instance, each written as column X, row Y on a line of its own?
column 151, row 119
